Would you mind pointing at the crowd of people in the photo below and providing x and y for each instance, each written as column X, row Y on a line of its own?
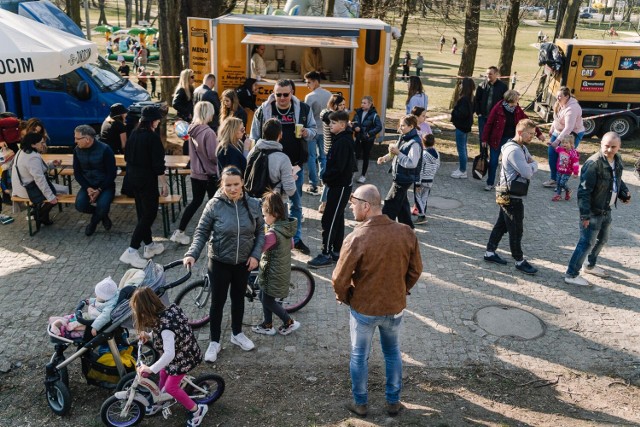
column 247, row 229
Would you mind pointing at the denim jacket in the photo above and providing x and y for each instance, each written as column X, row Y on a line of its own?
column 596, row 185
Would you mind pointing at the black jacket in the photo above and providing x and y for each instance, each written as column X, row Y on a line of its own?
column 204, row 93
column 369, row 127
column 341, row 161
column 183, row 106
column 245, row 96
column 462, row 115
column 482, row 93
column 596, row 185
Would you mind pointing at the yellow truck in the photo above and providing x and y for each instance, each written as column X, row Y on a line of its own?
column 603, row 75
column 354, row 53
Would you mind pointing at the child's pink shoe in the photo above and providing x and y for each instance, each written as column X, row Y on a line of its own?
column 556, row 198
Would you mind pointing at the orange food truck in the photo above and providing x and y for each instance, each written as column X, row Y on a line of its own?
column 353, row 54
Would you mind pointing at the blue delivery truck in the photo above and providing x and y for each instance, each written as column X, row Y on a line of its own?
column 80, row 97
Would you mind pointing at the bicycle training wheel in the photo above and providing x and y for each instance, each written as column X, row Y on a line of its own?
column 195, row 301
column 301, row 288
column 212, row 384
column 111, row 413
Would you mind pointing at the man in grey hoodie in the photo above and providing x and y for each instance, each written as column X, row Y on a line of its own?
column 516, row 162
column 280, row 169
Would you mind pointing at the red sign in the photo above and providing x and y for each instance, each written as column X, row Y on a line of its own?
column 592, row 86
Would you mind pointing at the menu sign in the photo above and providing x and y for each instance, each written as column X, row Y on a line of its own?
column 199, row 47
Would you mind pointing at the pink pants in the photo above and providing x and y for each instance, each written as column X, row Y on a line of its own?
column 171, row 384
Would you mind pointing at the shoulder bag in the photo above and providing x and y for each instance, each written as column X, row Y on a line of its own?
column 519, row 186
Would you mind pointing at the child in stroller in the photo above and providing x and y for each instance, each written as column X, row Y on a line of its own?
column 99, row 308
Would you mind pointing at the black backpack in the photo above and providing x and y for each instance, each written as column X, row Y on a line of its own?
column 256, row 175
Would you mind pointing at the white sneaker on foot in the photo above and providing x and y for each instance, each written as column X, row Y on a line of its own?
column 264, row 329
column 131, row 256
column 489, row 187
column 578, row 281
column 153, row 249
column 595, row 270
column 195, row 418
column 242, row 341
column 463, row 175
column 362, row 179
column 287, row 329
column 179, row 237
column 211, row 354
column 456, row 174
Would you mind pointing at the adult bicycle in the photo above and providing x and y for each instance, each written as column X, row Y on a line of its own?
column 195, row 298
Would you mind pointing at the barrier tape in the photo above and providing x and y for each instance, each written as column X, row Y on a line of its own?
column 150, row 76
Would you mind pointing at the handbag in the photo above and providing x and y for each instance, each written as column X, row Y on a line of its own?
column 480, row 164
column 519, row 186
column 33, row 191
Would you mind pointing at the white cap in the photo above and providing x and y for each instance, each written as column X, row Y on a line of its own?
column 106, row 289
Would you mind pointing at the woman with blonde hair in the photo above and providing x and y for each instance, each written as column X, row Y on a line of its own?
column 183, row 95
column 231, row 107
column 203, row 143
column 231, row 150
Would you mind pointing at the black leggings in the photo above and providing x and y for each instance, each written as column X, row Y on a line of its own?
column 270, row 306
column 198, row 190
column 364, row 147
column 146, row 195
column 231, row 279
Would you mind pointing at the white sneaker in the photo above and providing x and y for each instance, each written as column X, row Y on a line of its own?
column 263, row 329
column 362, row 179
column 179, row 237
column 195, row 418
column 286, row 330
column 595, row 270
column 578, row 281
column 153, row 249
column 489, row 187
column 241, row 340
column 463, row 175
column 456, row 174
column 131, row 256
column 212, row 352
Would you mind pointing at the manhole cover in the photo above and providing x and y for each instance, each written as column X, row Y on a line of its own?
column 444, row 203
column 505, row 321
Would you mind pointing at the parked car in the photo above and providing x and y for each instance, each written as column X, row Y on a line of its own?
column 590, row 10
column 585, row 15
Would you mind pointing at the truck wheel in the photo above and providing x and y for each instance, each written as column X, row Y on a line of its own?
column 591, row 127
column 622, row 125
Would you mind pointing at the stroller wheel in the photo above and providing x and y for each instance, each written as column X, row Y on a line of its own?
column 59, row 398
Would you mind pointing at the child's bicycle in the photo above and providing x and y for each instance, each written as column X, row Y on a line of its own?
column 127, row 406
column 193, row 299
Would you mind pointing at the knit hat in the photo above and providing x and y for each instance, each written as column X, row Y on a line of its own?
column 117, row 110
column 150, row 113
column 106, row 289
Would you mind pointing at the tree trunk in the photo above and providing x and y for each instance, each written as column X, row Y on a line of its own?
column 147, row 12
column 329, row 5
column 470, row 47
column 102, row 20
column 246, row 6
column 569, row 22
column 171, row 64
column 627, row 12
column 548, row 10
column 508, row 45
column 612, row 17
column 73, row 10
column 396, row 56
column 562, row 7
column 127, row 12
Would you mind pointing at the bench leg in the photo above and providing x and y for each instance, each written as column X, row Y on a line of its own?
column 36, row 217
column 165, row 220
column 183, row 183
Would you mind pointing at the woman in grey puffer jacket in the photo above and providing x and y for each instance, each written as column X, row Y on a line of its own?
column 233, row 226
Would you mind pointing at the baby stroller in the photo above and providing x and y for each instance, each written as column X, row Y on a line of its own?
column 114, row 334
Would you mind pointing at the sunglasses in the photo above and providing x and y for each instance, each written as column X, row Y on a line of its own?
column 353, row 198
column 280, row 95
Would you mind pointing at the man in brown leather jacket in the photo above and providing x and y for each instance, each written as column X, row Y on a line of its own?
column 375, row 282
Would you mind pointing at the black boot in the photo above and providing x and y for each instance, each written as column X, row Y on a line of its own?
column 43, row 213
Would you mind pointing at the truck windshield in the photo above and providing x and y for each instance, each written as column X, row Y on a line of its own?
column 104, row 75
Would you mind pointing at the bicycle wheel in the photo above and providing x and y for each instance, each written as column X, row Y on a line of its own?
column 112, row 416
column 301, row 289
column 194, row 300
column 212, row 383
column 59, row 398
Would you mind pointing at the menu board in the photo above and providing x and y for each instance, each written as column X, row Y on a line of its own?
column 199, row 47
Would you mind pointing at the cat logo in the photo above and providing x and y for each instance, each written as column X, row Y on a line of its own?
column 588, row 73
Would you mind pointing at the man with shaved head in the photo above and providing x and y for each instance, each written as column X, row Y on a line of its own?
column 379, row 263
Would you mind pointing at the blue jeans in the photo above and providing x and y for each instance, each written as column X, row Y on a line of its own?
column 316, row 145
column 295, row 206
column 461, row 145
column 592, row 240
column 482, row 120
column 494, row 158
column 103, row 203
column 553, row 156
column 362, row 329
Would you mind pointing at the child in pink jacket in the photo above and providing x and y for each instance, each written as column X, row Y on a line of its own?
column 568, row 164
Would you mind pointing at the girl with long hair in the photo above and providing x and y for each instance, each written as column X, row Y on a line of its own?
column 415, row 95
column 183, row 95
column 462, row 119
column 230, row 107
column 231, row 150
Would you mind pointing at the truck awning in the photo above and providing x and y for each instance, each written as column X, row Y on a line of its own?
column 301, row 40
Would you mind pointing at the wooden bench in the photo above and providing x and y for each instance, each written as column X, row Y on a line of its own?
column 70, row 199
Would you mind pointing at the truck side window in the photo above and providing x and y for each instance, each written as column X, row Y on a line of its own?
column 50, row 84
column 626, row 85
column 592, row 61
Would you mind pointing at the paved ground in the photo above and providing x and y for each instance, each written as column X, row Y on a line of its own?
column 593, row 330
